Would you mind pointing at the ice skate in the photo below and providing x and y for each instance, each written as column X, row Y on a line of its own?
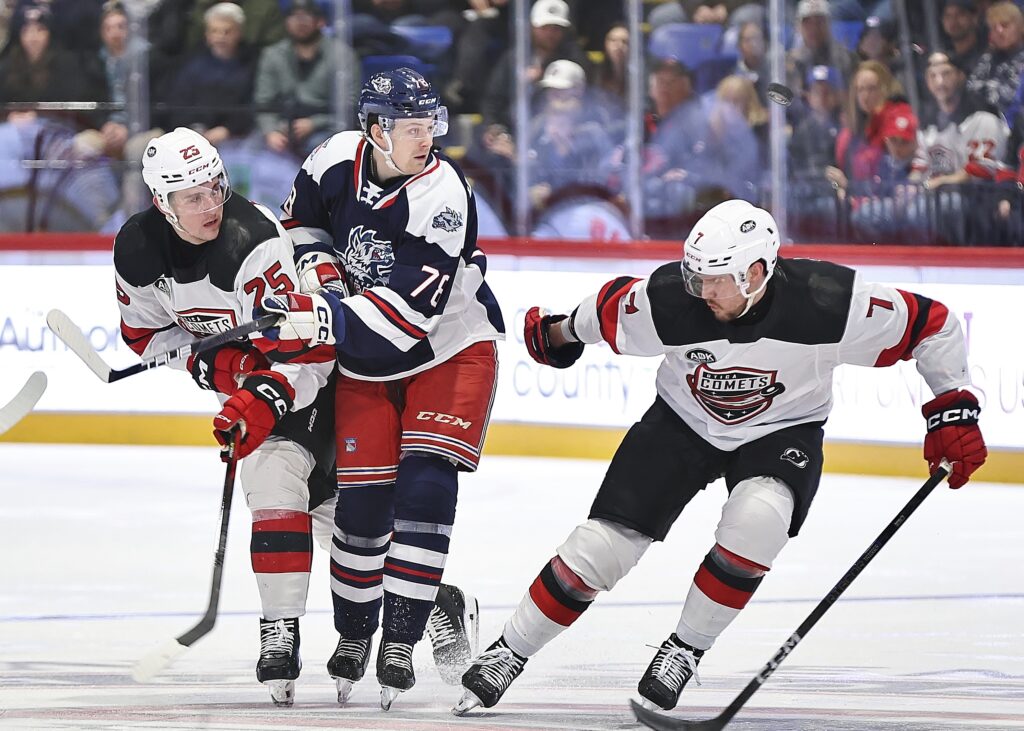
column 394, row 671
column 489, row 677
column 348, row 664
column 279, row 662
column 454, row 631
column 673, row 665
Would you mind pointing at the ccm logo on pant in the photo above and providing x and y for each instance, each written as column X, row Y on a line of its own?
column 443, row 419
column 954, row 416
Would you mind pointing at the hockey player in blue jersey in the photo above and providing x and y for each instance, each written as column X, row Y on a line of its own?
column 395, row 220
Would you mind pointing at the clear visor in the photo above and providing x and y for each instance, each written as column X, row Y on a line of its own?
column 710, row 286
column 201, row 198
column 417, row 128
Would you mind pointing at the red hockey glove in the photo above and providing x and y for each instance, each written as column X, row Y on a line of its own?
column 538, row 341
column 255, row 409
column 223, row 369
column 953, row 434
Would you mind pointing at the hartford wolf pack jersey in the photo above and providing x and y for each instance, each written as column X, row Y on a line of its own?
column 170, row 291
column 735, row 382
column 408, row 249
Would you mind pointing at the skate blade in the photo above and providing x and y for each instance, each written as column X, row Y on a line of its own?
column 473, row 624
column 344, row 686
column 650, row 705
column 466, row 703
column 388, row 695
column 282, row 692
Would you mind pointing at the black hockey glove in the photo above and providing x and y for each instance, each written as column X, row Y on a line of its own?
column 538, row 342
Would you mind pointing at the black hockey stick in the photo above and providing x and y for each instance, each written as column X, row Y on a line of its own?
column 661, row 722
column 161, row 658
column 65, row 329
column 23, row 402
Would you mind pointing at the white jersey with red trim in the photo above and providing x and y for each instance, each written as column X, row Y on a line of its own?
column 946, row 143
column 735, row 382
column 408, row 248
column 170, row 291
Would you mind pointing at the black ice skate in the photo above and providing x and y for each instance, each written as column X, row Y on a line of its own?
column 279, row 662
column 454, row 631
column 394, row 671
column 489, row 677
column 673, row 665
column 348, row 664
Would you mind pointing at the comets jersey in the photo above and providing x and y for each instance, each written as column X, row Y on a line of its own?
column 735, row 382
column 408, row 250
column 170, row 291
column 946, row 143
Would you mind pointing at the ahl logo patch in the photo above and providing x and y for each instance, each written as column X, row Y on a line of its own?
column 367, row 259
column 734, row 395
column 448, row 220
column 794, row 455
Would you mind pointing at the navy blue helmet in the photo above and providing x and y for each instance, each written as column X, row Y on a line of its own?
column 400, row 94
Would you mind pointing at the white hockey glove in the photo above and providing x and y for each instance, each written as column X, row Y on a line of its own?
column 308, row 321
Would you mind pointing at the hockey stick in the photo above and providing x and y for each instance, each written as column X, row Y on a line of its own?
column 65, row 329
column 162, row 657
column 661, row 722
column 23, row 402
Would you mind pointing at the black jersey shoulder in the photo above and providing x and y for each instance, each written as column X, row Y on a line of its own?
column 808, row 304
column 147, row 247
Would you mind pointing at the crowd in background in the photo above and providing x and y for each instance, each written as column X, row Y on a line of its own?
column 889, row 138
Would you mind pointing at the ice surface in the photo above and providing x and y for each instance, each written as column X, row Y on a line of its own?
column 107, row 552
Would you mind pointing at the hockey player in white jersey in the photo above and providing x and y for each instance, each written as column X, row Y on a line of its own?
column 416, row 357
column 750, row 342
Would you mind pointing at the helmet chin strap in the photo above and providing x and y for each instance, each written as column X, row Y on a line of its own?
column 750, row 296
column 388, row 152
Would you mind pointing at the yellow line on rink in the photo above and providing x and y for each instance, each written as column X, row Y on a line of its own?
column 516, row 439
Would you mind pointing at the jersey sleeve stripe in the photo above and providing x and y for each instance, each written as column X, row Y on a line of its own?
column 138, row 338
column 925, row 317
column 392, row 316
column 608, row 307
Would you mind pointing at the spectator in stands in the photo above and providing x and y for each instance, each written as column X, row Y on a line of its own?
column 818, row 47
column 115, row 56
column 69, row 18
column 737, row 145
column 610, row 76
column 552, row 39
column 997, row 75
column 487, row 28
column 812, row 146
column 719, row 12
column 263, row 23
column 215, row 84
column 860, row 144
column 961, row 25
column 296, row 76
column 167, row 31
column 568, row 146
column 957, row 127
column 752, row 62
column 879, row 41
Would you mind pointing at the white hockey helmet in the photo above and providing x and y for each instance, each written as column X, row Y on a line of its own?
column 179, row 160
column 727, row 240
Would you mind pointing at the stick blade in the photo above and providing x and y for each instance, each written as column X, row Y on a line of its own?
column 73, row 337
column 661, row 722
column 157, row 661
column 23, row 402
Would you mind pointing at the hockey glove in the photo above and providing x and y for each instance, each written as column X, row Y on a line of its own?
column 223, row 369
column 255, row 410
column 953, row 434
column 308, row 320
column 323, row 276
column 538, row 340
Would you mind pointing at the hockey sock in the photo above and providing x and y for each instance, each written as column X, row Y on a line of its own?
column 722, row 586
column 362, row 538
column 282, row 552
column 555, row 600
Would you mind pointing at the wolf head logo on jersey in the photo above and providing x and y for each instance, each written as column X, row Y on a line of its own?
column 447, row 220
column 734, row 395
column 367, row 260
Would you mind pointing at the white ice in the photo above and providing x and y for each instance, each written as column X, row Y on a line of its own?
column 107, row 552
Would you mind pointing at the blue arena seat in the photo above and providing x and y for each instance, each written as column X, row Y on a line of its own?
column 690, row 43
column 426, row 41
column 847, row 32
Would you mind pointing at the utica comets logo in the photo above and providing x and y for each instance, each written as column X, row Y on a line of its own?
column 367, row 259
column 734, row 395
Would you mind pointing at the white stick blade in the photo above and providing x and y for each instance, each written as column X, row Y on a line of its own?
column 157, row 661
column 73, row 337
column 23, row 402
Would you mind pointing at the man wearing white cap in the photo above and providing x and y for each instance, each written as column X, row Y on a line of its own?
column 818, row 47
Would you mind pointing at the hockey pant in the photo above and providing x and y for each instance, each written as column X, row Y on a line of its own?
column 275, row 481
